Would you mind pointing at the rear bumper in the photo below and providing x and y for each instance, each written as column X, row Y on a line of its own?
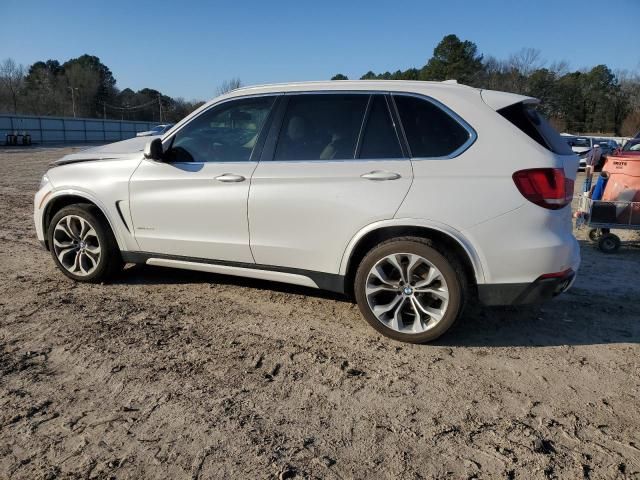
column 540, row 290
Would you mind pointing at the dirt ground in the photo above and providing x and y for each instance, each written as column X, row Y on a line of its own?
column 169, row 374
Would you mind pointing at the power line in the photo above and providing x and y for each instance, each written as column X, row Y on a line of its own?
column 129, row 109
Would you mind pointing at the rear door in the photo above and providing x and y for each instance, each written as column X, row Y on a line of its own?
column 332, row 164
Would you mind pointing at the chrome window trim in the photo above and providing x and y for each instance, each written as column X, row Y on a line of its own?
column 360, row 160
column 465, row 146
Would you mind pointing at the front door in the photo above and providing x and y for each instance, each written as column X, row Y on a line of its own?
column 194, row 203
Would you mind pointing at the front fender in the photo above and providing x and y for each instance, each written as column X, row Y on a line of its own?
column 120, row 230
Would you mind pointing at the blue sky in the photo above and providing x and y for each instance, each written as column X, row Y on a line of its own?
column 187, row 48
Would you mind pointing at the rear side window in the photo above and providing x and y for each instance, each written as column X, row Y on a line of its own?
column 527, row 119
column 430, row 131
column 321, row 127
column 379, row 139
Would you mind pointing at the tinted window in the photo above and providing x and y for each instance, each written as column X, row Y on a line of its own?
column 321, row 127
column 527, row 119
column 430, row 131
column 379, row 139
column 227, row 133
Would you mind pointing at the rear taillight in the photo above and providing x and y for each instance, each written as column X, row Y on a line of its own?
column 547, row 187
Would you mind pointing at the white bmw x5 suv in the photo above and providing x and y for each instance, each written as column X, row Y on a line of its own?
column 411, row 197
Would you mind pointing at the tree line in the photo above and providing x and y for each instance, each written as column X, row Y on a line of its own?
column 82, row 87
column 595, row 100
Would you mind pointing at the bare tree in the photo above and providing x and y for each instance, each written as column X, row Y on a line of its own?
column 559, row 68
column 526, row 61
column 12, row 80
column 229, row 85
column 626, row 102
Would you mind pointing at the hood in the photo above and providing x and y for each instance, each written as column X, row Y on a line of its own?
column 580, row 149
column 111, row 151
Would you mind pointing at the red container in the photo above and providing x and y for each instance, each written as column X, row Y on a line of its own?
column 624, row 178
column 624, row 186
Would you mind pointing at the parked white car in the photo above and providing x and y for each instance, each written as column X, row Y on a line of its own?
column 413, row 197
column 581, row 146
column 156, row 131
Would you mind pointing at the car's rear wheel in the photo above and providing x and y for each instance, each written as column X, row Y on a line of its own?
column 82, row 244
column 409, row 291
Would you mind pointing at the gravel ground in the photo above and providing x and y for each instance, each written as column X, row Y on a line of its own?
column 169, row 374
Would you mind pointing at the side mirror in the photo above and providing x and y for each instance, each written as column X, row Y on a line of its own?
column 153, row 150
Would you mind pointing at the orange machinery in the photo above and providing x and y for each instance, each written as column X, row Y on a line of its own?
column 624, row 182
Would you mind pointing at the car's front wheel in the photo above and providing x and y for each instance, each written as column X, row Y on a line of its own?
column 82, row 244
column 409, row 291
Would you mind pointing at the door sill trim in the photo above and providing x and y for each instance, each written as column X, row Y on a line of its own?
column 236, row 271
column 295, row 276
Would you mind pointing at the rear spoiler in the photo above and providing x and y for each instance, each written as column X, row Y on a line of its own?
column 498, row 100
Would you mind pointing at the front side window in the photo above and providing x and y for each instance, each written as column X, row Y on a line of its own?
column 379, row 139
column 321, row 127
column 227, row 133
column 430, row 131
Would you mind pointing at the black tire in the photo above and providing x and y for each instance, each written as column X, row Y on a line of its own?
column 595, row 234
column 109, row 261
column 447, row 264
column 609, row 243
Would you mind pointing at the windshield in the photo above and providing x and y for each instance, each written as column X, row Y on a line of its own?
column 631, row 146
column 580, row 142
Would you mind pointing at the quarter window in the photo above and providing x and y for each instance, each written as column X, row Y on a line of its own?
column 321, row 127
column 227, row 133
column 379, row 139
column 430, row 131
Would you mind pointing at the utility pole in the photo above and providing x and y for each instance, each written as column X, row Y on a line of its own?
column 73, row 100
column 160, row 105
column 104, row 111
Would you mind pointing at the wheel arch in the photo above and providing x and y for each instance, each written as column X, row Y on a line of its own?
column 70, row 197
column 442, row 235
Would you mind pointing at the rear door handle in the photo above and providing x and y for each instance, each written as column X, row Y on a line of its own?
column 230, row 177
column 379, row 175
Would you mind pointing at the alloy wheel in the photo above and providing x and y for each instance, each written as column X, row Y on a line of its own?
column 76, row 245
column 407, row 293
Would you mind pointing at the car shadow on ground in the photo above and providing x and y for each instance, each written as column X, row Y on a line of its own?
column 556, row 323
column 602, row 307
column 150, row 275
column 579, row 317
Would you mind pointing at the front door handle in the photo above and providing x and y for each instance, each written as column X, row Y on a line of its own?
column 230, row 177
column 379, row 175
